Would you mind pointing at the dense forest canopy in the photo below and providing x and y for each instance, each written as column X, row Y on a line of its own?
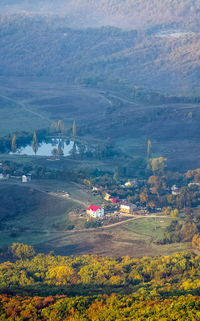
column 124, row 14
column 99, row 288
column 159, row 59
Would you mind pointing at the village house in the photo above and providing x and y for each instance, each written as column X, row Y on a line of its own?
column 95, row 189
column 4, row 177
column 128, row 208
column 193, row 184
column 95, row 211
column 175, row 190
column 107, row 197
column 115, row 200
column 131, row 183
column 26, row 178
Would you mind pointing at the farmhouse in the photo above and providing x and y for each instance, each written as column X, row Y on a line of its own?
column 95, row 211
column 131, row 183
column 126, row 207
column 115, row 200
column 26, row 178
column 175, row 190
column 107, row 197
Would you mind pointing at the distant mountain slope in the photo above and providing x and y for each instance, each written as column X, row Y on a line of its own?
column 119, row 13
column 165, row 60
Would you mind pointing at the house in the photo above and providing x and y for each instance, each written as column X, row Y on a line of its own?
column 4, row 177
column 95, row 211
column 26, row 178
column 175, row 190
column 107, row 197
column 126, row 207
column 131, row 183
column 193, row 184
column 115, row 200
column 95, row 189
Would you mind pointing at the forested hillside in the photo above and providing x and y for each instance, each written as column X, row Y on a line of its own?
column 99, row 288
column 161, row 59
column 128, row 14
column 159, row 277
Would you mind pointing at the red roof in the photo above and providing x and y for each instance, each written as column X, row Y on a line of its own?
column 93, row 208
column 115, row 200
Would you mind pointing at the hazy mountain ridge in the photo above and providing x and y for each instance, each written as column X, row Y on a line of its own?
column 158, row 58
column 128, row 14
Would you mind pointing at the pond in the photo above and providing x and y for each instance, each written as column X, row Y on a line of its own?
column 50, row 147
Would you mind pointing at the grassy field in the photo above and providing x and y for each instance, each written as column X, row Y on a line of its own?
column 116, row 241
column 150, row 227
column 28, row 104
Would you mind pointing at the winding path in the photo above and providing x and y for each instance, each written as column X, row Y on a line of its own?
column 23, row 106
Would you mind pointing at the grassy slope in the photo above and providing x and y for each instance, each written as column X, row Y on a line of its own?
column 29, row 215
column 126, row 239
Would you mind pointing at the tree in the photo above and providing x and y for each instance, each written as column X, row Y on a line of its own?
column 13, row 146
column 60, row 151
column 174, row 213
column 22, row 251
column 166, row 210
column 73, row 151
column 115, row 177
column 74, row 128
column 144, row 196
column 148, row 149
column 54, row 152
column 158, row 164
column 60, row 126
column 34, row 143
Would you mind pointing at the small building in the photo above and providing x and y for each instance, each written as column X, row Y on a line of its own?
column 175, row 190
column 4, row 177
column 107, row 197
column 95, row 189
column 95, row 211
column 115, row 200
column 128, row 208
column 193, row 184
column 26, row 178
column 131, row 183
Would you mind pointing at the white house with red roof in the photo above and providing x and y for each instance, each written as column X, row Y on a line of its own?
column 95, row 211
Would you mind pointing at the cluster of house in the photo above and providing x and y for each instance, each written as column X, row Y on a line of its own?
column 97, row 211
column 24, row 178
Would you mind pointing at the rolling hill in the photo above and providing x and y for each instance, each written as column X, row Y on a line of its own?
column 162, row 59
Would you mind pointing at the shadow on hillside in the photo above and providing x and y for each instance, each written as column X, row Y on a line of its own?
column 69, row 290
